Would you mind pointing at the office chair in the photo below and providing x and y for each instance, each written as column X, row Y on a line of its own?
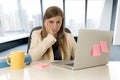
column 38, row 28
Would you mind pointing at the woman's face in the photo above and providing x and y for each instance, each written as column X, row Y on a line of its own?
column 54, row 23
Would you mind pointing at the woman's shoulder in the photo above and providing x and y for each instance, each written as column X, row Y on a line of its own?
column 36, row 32
column 70, row 39
column 69, row 34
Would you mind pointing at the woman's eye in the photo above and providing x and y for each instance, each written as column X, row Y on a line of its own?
column 51, row 21
column 59, row 22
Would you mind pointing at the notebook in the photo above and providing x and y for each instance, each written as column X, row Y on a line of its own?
column 93, row 49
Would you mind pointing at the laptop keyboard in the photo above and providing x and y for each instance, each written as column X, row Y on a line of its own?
column 70, row 64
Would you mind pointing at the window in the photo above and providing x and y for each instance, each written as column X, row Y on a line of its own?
column 99, row 14
column 9, row 21
column 19, row 16
column 48, row 3
column 74, row 15
column 31, row 14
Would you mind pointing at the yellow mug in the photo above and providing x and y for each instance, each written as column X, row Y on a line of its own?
column 16, row 59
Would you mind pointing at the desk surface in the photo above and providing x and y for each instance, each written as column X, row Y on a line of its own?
column 111, row 71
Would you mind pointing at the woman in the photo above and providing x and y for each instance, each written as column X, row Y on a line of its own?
column 52, row 42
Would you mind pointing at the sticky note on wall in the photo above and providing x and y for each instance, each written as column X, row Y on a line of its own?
column 104, row 46
column 96, row 50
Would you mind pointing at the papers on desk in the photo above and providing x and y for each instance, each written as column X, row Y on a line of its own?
column 41, row 65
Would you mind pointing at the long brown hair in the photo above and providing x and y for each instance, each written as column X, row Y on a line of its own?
column 54, row 11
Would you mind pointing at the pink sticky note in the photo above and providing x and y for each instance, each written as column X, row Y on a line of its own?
column 40, row 65
column 103, row 46
column 96, row 50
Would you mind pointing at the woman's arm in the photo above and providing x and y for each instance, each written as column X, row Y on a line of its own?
column 38, row 47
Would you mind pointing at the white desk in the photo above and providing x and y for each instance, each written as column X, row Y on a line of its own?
column 111, row 71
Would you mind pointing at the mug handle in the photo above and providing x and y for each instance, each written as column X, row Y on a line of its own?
column 7, row 59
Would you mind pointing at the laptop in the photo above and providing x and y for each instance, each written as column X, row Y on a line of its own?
column 93, row 49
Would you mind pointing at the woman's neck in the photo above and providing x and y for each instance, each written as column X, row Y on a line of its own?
column 55, row 36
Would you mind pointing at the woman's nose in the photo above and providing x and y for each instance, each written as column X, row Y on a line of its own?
column 55, row 25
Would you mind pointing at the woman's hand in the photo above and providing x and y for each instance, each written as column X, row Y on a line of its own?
column 48, row 28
